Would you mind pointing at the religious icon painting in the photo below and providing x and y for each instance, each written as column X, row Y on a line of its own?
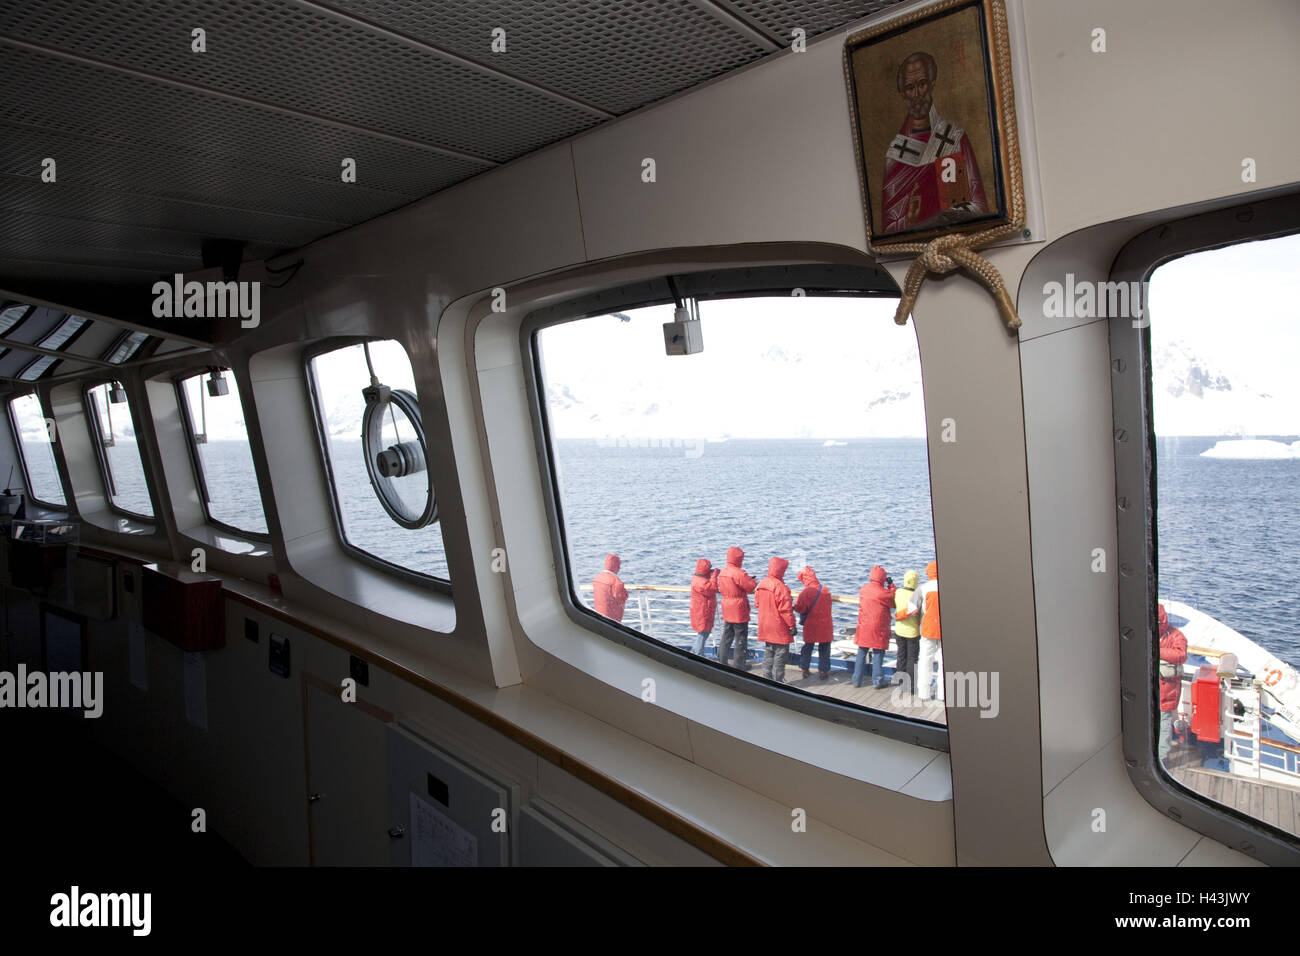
column 930, row 95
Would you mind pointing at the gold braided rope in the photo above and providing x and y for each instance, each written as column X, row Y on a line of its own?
column 957, row 251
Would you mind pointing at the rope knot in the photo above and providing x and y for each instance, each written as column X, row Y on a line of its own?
column 948, row 254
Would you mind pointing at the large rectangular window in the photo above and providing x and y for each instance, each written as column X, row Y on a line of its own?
column 797, row 435
column 369, row 416
column 223, row 460
column 35, row 441
column 119, row 454
column 1225, row 413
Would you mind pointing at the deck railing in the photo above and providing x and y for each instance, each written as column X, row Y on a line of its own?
column 1247, row 748
column 663, row 611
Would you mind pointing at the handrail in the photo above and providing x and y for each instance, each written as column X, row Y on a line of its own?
column 685, row 589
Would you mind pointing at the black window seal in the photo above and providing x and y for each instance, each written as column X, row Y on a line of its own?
column 429, row 581
column 730, row 283
column 1136, row 510
column 22, row 455
column 106, row 473
column 201, row 480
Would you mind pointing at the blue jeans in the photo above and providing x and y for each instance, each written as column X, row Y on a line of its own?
column 823, row 656
column 876, row 667
column 700, row 641
column 1165, row 740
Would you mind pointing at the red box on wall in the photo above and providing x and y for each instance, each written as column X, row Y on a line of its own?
column 183, row 607
column 1205, row 704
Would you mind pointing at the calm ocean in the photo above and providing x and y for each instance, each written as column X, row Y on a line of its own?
column 1228, row 530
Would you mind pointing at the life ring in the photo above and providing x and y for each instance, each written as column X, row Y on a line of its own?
column 1272, row 677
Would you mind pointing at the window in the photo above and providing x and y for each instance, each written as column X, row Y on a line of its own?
column 36, row 451
column 223, row 460
column 11, row 315
column 126, row 347
column 369, row 416
column 119, row 455
column 1225, row 413
column 63, row 335
column 797, row 433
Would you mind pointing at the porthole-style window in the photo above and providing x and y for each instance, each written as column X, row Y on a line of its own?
column 394, row 447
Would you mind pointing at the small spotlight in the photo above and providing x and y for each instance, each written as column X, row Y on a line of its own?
column 117, row 394
column 217, row 385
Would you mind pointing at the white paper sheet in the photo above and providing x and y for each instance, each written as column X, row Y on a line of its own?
column 139, row 656
column 437, row 840
column 196, row 690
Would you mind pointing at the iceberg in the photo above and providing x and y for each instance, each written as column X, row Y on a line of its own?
column 1255, row 449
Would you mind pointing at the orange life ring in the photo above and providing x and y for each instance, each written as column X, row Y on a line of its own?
column 1273, row 677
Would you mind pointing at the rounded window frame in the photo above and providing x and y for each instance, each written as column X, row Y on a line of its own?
column 823, row 280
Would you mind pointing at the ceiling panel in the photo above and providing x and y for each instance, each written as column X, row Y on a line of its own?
column 159, row 147
column 614, row 54
column 778, row 17
column 305, row 59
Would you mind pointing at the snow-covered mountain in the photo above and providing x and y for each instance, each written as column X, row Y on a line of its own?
column 1195, row 394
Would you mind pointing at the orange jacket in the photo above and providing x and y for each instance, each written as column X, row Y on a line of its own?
column 735, row 586
column 704, row 596
column 875, row 607
column 610, row 595
column 814, row 607
column 775, row 612
column 926, row 600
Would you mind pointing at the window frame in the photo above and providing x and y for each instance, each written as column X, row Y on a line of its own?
column 322, row 443
column 22, row 454
column 1136, row 526
column 105, row 472
column 200, row 479
column 822, row 281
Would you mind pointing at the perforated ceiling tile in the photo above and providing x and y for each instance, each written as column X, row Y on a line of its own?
column 302, row 58
column 184, row 174
column 46, row 93
column 614, row 54
column 104, row 204
column 778, row 17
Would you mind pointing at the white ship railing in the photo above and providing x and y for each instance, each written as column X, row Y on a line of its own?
column 663, row 611
column 1248, row 750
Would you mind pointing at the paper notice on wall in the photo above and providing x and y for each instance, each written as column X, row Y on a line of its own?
column 196, row 690
column 139, row 656
column 437, row 840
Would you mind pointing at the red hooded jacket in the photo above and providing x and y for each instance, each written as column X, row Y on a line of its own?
column 1173, row 648
column 875, row 612
column 735, row 586
column 610, row 595
column 775, row 612
column 704, row 596
column 817, row 627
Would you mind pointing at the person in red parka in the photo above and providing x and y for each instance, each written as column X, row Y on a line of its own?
column 610, row 595
column 1173, row 652
column 875, row 625
column 704, row 601
column 735, row 586
column 813, row 606
column 776, row 626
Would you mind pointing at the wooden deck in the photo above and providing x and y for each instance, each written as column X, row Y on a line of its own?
column 1274, row 803
column 839, row 685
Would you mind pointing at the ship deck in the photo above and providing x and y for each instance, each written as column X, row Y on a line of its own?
column 839, row 686
column 1274, row 803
